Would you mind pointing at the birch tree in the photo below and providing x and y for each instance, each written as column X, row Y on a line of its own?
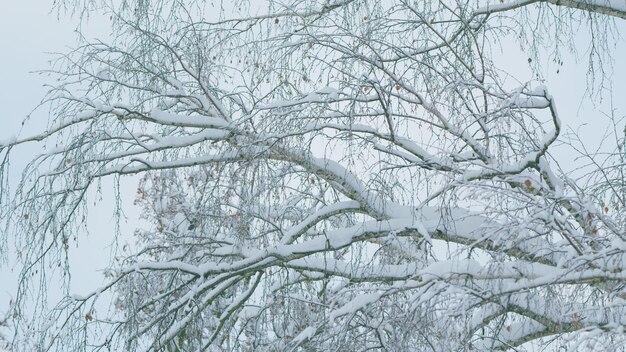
column 326, row 176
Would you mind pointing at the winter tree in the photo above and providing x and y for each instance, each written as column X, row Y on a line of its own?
column 326, row 176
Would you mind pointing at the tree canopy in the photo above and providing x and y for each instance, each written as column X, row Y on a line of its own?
column 326, row 176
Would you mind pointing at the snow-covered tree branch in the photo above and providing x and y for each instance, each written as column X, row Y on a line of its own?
column 322, row 175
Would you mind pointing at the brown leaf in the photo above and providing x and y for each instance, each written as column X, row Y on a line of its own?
column 528, row 184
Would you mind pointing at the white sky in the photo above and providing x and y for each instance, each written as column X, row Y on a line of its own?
column 29, row 33
column 28, row 30
column 25, row 31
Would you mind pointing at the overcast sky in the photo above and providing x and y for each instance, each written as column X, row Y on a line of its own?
column 28, row 36
column 28, row 30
